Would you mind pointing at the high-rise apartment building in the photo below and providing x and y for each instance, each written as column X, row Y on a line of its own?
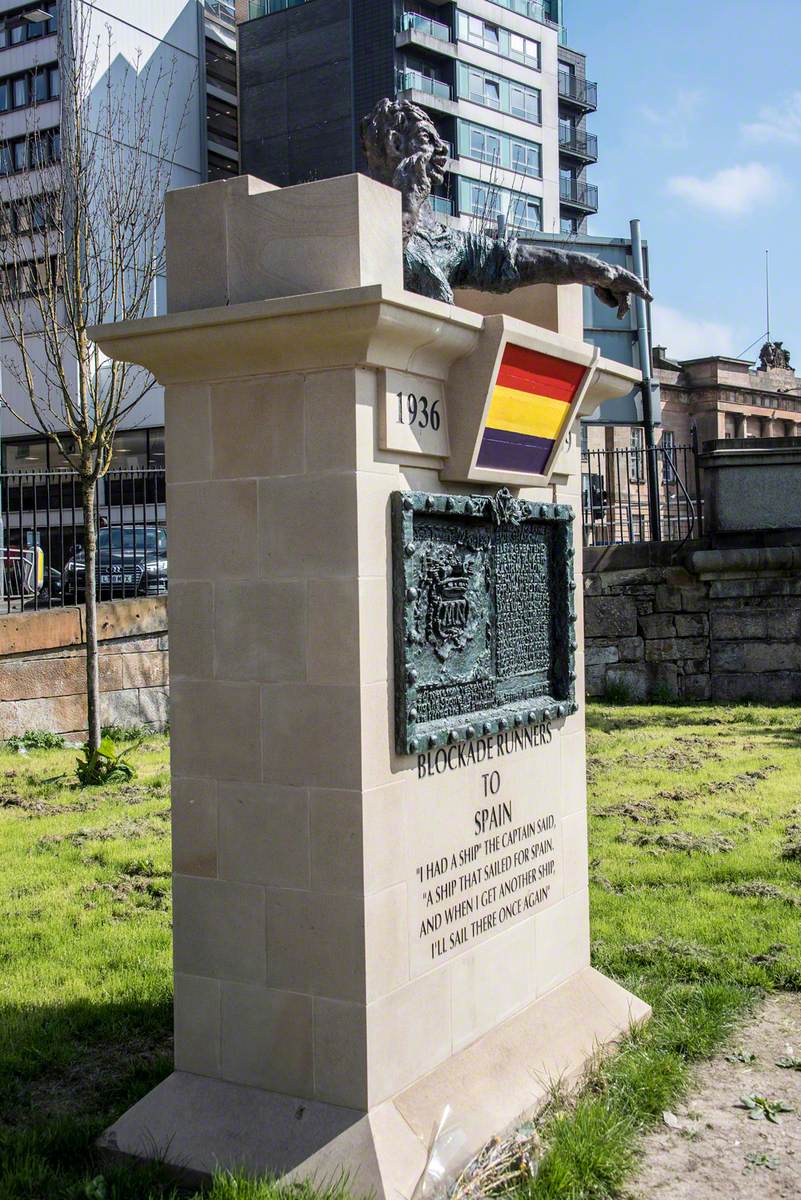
column 195, row 41
column 505, row 92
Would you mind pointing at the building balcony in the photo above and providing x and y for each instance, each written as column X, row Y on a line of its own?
column 426, row 25
column 579, row 195
column 429, row 93
column 415, row 81
column 263, row 8
column 425, row 34
column 580, row 145
column 224, row 10
column 580, row 92
column 442, row 205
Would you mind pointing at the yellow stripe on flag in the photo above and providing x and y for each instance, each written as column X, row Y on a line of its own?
column 524, row 412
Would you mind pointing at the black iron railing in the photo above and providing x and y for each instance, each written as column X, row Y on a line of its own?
column 614, row 494
column 575, row 141
column 42, row 532
column 581, row 91
column 582, row 195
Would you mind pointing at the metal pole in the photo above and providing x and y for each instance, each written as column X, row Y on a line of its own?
column 647, row 387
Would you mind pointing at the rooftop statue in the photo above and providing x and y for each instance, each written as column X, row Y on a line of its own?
column 773, row 355
column 404, row 150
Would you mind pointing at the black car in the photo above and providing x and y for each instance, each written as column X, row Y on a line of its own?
column 130, row 562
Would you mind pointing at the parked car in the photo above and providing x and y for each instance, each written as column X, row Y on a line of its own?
column 131, row 561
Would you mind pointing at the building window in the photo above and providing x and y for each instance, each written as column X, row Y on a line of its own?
column 524, row 103
column 669, row 455
column 484, row 89
column 485, row 146
column 637, row 455
column 568, row 225
column 525, row 49
column 485, row 201
column 527, row 159
column 481, row 33
column 525, row 212
column 34, row 87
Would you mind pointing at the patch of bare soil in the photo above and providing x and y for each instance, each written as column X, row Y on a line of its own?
column 711, row 1148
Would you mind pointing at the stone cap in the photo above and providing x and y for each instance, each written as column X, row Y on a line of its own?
column 237, row 240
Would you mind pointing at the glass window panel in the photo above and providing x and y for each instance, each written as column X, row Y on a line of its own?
column 491, row 36
column 39, row 214
column 55, row 82
column 40, row 151
column 5, row 97
column 40, row 92
column 5, row 160
column 57, row 460
column 20, row 92
column 20, row 156
column 26, row 456
column 3, row 37
column 17, row 34
column 492, row 93
column 156, row 448
column 130, row 449
column 526, row 158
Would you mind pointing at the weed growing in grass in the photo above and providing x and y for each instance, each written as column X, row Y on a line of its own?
column 35, row 739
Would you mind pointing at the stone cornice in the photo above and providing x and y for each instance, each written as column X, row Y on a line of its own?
column 367, row 326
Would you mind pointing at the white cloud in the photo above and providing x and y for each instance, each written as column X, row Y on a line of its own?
column 781, row 123
column 686, row 336
column 733, row 191
column 672, row 123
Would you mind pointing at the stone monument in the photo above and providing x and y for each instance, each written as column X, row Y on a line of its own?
column 378, row 771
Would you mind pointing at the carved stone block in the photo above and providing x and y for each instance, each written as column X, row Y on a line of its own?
column 484, row 619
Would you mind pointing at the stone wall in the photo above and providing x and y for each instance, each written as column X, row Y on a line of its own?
column 725, row 625
column 42, row 667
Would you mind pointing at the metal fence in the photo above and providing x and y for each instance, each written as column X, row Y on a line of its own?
column 614, row 495
column 42, row 542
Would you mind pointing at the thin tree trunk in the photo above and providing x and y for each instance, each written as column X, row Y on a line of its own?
column 90, row 591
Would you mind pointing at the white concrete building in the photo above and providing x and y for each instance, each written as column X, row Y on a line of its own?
column 193, row 41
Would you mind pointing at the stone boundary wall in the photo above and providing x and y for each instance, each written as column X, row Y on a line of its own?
column 725, row 626
column 42, row 667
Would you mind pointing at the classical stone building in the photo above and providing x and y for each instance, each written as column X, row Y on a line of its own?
column 718, row 397
column 727, row 398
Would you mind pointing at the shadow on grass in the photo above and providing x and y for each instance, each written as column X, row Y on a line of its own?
column 66, row 1072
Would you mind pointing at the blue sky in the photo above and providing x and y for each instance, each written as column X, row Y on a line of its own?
column 699, row 129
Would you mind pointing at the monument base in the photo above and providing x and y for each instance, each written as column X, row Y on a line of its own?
column 195, row 1124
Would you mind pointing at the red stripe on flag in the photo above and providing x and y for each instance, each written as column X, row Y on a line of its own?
column 542, row 374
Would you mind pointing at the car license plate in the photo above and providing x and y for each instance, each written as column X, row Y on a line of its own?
column 115, row 578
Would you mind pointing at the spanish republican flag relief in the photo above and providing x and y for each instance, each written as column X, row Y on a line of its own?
column 530, row 403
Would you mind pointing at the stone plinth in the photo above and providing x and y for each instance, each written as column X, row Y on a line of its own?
column 324, row 1012
column 751, row 484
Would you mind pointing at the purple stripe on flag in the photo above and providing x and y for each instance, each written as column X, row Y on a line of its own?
column 514, row 451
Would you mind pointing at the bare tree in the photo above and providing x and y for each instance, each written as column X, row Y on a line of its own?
column 82, row 244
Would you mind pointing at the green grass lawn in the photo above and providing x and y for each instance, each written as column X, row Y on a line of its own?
column 695, row 849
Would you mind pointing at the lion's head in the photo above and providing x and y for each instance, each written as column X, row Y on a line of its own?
column 404, row 150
